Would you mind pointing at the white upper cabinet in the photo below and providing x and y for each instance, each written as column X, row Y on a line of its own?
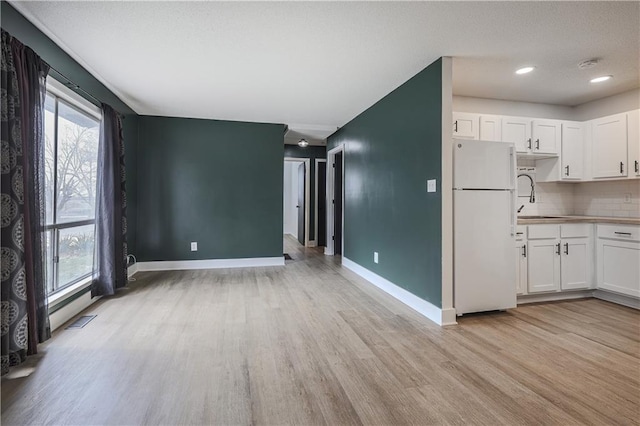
column 466, row 126
column 572, row 150
column 518, row 131
column 633, row 137
column 491, row 128
column 609, row 146
column 545, row 136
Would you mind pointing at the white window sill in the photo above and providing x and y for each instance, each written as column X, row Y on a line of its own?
column 55, row 298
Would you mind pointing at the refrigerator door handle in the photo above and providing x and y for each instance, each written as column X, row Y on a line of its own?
column 514, row 215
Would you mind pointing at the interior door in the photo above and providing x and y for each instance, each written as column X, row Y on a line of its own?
column 337, row 201
column 322, row 204
column 301, row 206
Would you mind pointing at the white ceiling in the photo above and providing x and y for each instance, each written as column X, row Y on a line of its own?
column 321, row 64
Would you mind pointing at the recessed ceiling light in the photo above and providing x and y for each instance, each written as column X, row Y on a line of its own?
column 601, row 79
column 303, row 143
column 525, row 70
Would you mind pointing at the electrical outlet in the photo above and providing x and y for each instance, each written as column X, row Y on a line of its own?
column 375, row 257
column 627, row 197
column 431, row 185
column 194, row 246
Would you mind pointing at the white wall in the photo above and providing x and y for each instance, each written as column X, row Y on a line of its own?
column 290, row 198
column 615, row 104
column 608, row 198
column 500, row 107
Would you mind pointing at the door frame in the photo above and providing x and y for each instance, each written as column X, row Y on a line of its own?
column 330, row 207
column 317, row 210
column 307, row 185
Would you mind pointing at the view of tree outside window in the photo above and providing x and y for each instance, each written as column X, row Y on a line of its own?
column 71, row 143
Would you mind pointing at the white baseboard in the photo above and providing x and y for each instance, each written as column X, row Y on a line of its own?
column 312, row 243
column 64, row 314
column 620, row 299
column 550, row 297
column 432, row 312
column 180, row 265
column 328, row 252
column 131, row 270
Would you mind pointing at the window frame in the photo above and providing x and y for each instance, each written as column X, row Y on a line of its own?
column 60, row 93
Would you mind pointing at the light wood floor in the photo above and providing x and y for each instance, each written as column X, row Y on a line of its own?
column 312, row 343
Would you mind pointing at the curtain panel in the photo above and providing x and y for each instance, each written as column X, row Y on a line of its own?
column 110, row 269
column 25, row 319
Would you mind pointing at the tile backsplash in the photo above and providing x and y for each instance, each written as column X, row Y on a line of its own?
column 613, row 198
column 551, row 199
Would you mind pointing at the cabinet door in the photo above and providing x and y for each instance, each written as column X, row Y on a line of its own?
column 572, row 151
column 545, row 136
column 518, row 131
column 521, row 267
column 466, row 126
column 617, row 264
column 544, row 265
column 575, row 266
column 609, row 146
column 633, row 135
column 491, row 128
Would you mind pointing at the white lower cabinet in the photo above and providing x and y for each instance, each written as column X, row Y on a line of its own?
column 544, row 258
column 544, row 265
column 560, row 257
column 575, row 265
column 521, row 259
column 618, row 259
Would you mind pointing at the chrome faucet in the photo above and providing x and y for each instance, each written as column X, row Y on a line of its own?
column 532, row 197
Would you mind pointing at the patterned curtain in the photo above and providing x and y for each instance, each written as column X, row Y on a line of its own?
column 110, row 269
column 25, row 319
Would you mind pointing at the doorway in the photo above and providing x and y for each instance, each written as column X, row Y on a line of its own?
column 296, row 199
column 321, row 202
column 335, row 201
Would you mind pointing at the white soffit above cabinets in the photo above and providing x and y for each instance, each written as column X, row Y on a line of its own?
column 325, row 62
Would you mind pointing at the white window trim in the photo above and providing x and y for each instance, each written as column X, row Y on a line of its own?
column 67, row 292
column 63, row 92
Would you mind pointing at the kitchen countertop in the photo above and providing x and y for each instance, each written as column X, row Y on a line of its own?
column 579, row 219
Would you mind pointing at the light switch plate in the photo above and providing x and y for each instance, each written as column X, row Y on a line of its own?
column 375, row 257
column 194, row 246
column 431, row 185
column 627, row 197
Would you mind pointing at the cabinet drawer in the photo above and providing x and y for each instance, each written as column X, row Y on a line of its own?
column 575, row 230
column 537, row 232
column 619, row 232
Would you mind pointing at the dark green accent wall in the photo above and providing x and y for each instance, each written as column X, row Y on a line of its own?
column 19, row 27
column 311, row 152
column 391, row 149
column 215, row 182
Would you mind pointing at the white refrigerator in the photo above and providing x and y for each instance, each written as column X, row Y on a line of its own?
column 484, row 205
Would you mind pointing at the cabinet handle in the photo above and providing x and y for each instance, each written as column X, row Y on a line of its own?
column 538, row 144
column 529, row 143
column 524, row 250
column 558, row 249
column 566, row 168
column 637, row 166
column 621, row 167
column 622, row 233
column 566, row 248
column 455, row 126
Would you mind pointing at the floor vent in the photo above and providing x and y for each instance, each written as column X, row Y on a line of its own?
column 287, row 257
column 81, row 321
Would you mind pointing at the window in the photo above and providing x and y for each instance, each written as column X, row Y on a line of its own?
column 71, row 159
